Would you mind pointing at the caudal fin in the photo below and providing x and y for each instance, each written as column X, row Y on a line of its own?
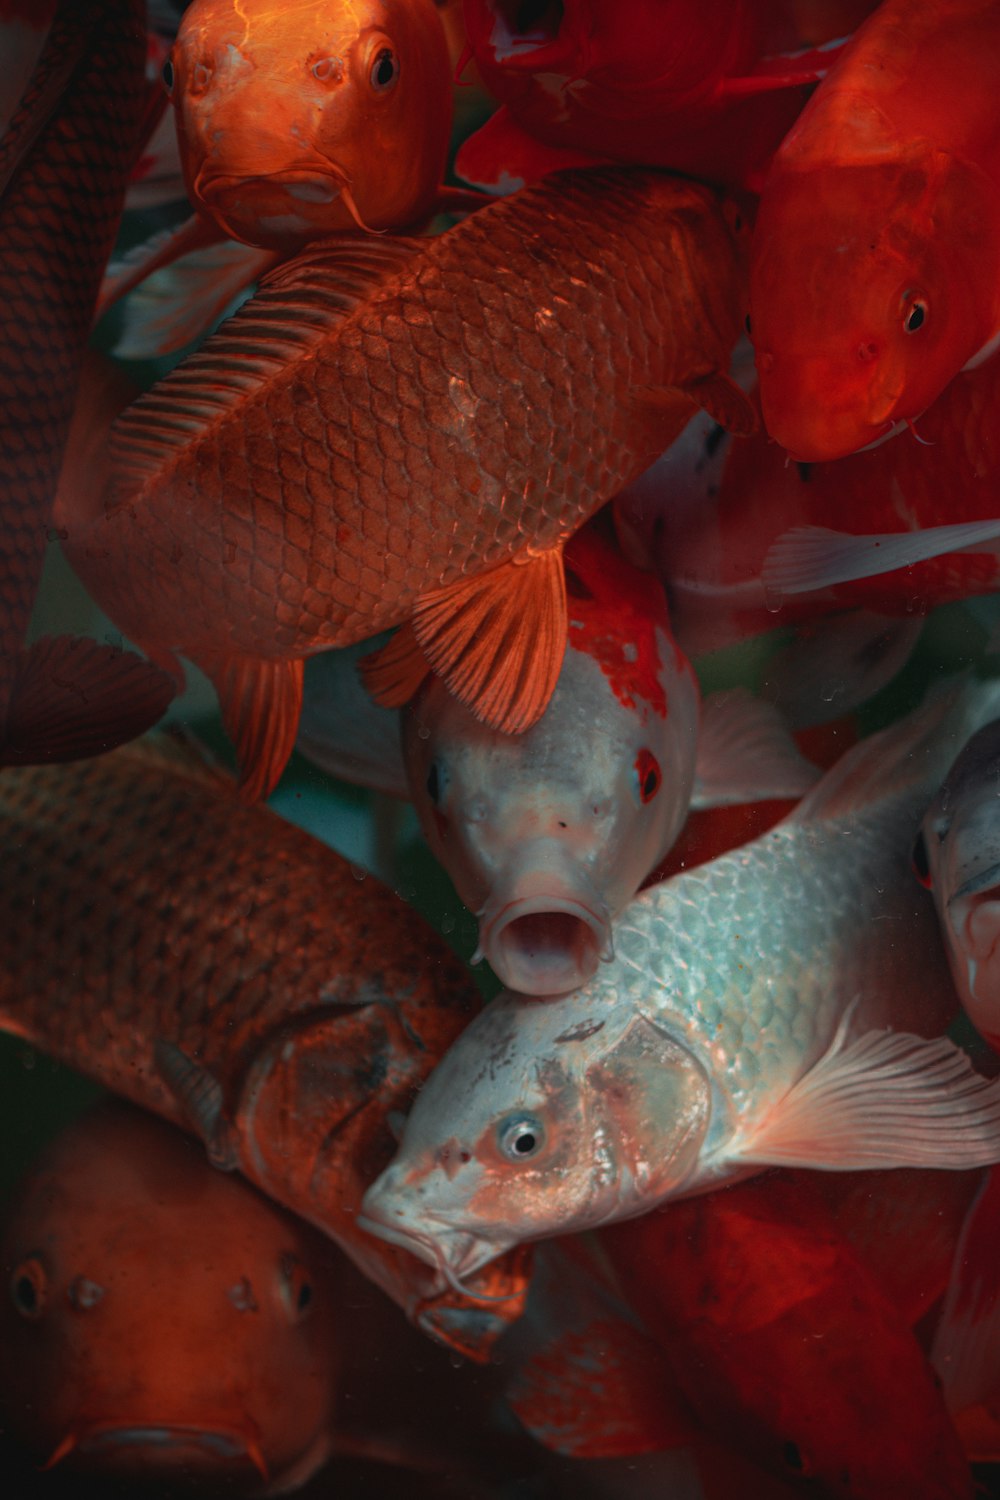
column 72, row 698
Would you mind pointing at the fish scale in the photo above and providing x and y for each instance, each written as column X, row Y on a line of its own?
column 429, row 434
column 140, row 903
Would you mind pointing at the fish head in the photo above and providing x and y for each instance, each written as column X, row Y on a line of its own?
column 304, row 121
column 161, row 1315
column 861, row 308
column 548, row 834
column 957, row 856
column 543, row 1119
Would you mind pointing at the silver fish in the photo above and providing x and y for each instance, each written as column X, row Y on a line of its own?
column 770, row 1007
column 957, row 855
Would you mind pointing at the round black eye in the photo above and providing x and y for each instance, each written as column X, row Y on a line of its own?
column 520, row 1137
column 385, row 70
column 295, row 1288
column 168, row 76
column 920, row 862
column 648, row 775
column 29, row 1288
column 434, row 783
column 916, row 316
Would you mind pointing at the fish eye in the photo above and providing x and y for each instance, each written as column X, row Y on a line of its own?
column 385, row 70
column 920, row 861
column 168, row 76
column 520, row 1136
column 29, row 1288
column 434, row 783
column 295, row 1288
column 647, row 775
column 914, row 313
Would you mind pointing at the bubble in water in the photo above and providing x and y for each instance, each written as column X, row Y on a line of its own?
column 358, row 872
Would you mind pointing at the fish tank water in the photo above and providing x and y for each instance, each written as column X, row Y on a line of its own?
column 381, row 838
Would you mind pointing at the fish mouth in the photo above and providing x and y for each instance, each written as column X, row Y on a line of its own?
column 527, row 32
column 142, row 1445
column 318, row 184
column 454, row 1254
column 545, row 945
column 974, row 910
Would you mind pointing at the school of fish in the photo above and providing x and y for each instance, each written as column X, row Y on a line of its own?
column 596, row 508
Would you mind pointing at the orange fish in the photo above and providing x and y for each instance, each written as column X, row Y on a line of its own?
column 64, row 159
column 785, row 1342
column 216, row 965
column 683, row 84
column 392, row 433
column 875, row 268
column 162, row 1318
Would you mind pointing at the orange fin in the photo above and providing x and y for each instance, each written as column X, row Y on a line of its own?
column 717, row 393
column 294, row 309
column 394, row 672
column 498, row 639
column 73, row 698
column 261, row 702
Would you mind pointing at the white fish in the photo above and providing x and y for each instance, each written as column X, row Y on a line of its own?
column 957, row 855
column 772, row 1006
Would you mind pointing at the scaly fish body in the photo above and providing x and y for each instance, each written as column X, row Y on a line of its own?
column 64, row 159
column 741, row 1018
column 216, row 965
column 303, row 122
column 875, row 271
column 314, row 475
column 162, row 1315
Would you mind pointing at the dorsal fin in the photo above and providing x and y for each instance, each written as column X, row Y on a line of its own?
column 295, row 307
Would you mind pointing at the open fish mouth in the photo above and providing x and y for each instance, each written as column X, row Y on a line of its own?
column 526, row 32
column 136, row 1446
column 454, row 1255
column 546, row 945
column 974, row 912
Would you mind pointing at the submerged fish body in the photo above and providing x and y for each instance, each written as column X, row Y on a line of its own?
column 320, row 471
column 741, row 1023
column 957, row 855
column 670, row 83
column 875, row 269
column 216, row 965
column 549, row 833
column 161, row 1317
column 64, row 159
column 299, row 122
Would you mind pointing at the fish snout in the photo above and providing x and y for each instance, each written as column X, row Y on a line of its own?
column 545, row 927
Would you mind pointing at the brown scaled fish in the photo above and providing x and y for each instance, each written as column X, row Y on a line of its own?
column 394, row 433
column 216, row 965
column 64, row 160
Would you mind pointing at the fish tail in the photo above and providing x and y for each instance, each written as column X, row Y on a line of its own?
column 72, row 698
column 261, row 703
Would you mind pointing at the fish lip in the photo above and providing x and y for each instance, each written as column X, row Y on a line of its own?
column 586, row 941
column 218, row 1443
column 313, row 179
column 454, row 1251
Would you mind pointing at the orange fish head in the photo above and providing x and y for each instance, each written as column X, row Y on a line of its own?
column 158, row 1314
column 298, row 123
column 859, row 315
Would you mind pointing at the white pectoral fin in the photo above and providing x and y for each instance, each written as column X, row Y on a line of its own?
column 888, row 1099
column 746, row 753
column 809, row 559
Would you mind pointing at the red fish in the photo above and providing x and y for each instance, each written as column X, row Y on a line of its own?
column 785, row 1342
column 680, row 84
column 875, row 269
column 897, row 529
column 388, row 433
column 64, row 160
column 220, row 967
column 163, row 1317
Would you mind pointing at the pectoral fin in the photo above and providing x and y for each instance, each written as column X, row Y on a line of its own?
column 498, row 641
column 199, row 1096
column 888, row 1099
column 72, row 698
column 746, row 753
column 809, row 559
column 717, row 393
column 260, row 703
